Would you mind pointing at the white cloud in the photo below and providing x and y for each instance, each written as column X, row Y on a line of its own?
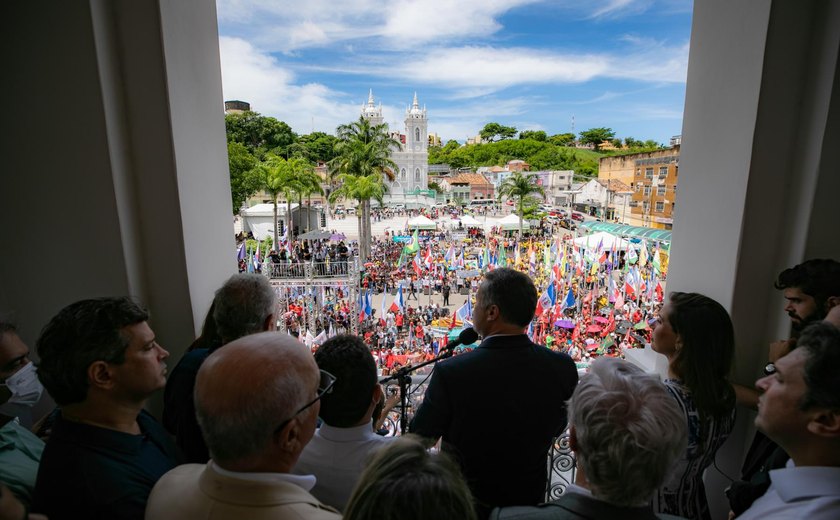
column 288, row 26
column 254, row 76
column 618, row 8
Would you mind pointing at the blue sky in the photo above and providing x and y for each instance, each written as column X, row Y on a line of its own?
column 527, row 63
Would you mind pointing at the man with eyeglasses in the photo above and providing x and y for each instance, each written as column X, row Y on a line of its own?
column 257, row 402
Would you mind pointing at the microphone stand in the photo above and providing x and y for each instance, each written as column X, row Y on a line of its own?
column 403, row 378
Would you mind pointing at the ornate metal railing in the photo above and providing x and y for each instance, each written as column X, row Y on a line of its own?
column 302, row 269
column 561, row 467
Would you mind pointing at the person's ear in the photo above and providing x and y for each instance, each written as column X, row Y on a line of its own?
column 378, row 394
column 270, row 323
column 825, row 423
column 100, row 376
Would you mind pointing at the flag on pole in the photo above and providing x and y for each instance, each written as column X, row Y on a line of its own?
column 502, row 262
column 643, row 254
column 450, row 253
column 398, row 304
column 428, row 259
column 631, row 255
column 569, row 300
column 414, row 245
column 656, row 262
column 546, row 300
column 241, row 254
column 415, row 264
column 464, row 312
column 368, row 307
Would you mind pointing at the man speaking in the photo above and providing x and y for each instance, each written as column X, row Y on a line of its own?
column 498, row 407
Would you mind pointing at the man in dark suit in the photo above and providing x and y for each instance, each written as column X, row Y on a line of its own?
column 498, row 407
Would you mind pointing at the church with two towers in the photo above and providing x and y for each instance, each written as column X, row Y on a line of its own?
column 412, row 155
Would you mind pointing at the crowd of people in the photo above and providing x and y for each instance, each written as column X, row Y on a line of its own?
column 257, row 424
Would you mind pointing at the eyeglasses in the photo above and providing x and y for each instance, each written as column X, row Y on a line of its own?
column 324, row 387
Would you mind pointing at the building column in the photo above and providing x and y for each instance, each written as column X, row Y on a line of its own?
column 115, row 179
column 758, row 181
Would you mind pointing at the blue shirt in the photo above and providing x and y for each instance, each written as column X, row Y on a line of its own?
column 91, row 472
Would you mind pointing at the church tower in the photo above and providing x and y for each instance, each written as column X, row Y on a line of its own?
column 371, row 112
column 416, row 128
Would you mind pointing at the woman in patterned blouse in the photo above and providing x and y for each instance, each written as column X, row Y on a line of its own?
column 695, row 333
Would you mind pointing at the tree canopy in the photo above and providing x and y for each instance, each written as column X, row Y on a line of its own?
column 259, row 134
column 244, row 180
column 596, row 136
column 495, row 132
column 536, row 135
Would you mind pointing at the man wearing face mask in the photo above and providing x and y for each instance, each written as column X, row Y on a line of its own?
column 20, row 449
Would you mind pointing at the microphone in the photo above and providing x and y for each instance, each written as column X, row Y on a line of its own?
column 466, row 337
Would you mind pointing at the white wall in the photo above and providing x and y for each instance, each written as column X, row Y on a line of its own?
column 756, row 171
column 114, row 122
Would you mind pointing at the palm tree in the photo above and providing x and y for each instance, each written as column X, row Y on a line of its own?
column 522, row 188
column 304, row 181
column 274, row 177
column 363, row 151
column 360, row 188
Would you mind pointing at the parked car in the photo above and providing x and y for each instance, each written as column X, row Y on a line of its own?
column 577, row 216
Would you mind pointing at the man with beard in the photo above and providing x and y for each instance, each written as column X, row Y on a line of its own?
column 811, row 289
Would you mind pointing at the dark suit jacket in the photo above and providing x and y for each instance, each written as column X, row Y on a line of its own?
column 575, row 506
column 497, row 409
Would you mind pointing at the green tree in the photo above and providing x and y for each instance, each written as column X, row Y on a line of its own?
column 596, row 136
column 307, row 183
column 523, row 188
column 244, row 180
column 536, row 135
column 315, row 147
column 361, row 188
column 495, row 132
column 363, row 150
column 275, row 178
column 261, row 135
column 562, row 139
column 632, row 143
column 435, row 186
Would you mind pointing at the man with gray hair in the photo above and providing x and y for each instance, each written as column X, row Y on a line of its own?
column 245, row 304
column 626, row 431
column 254, row 443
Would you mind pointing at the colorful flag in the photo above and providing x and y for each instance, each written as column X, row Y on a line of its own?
column 643, row 254
column 414, row 245
column 464, row 312
column 502, row 261
column 415, row 264
column 398, row 304
column 450, row 253
column 546, row 300
column 656, row 262
column 241, row 254
column 569, row 300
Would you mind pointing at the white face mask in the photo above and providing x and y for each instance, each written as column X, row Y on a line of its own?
column 24, row 385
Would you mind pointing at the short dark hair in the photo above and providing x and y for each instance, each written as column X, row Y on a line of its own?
column 80, row 334
column 819, row 278
column 348, row 358
column 821, row 373
column 512, row 292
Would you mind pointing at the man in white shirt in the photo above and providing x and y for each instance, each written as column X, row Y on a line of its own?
column 346, row 440
column 257, row 403
column 800, row 410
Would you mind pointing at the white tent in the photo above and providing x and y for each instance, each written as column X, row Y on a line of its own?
column 421, row 222
column 511, row 223
column 605, row 239
column 258, row 219
column 469, row 221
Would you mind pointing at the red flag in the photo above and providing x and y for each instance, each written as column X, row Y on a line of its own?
column 659, row 291
column 575, row 332
column 629, row 291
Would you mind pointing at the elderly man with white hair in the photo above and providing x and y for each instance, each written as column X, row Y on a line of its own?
column 626, row 431
column 257, row 401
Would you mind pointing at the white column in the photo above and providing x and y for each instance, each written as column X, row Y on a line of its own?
column 115, row 172
column 757, row 171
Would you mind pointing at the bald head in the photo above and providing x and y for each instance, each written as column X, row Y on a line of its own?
column 245, row 390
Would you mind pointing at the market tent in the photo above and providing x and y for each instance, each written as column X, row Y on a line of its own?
column 469, row 221
column 259, row 219
column 661, row 235
column 511, row 222
column 421, row 222
column 606, row 240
